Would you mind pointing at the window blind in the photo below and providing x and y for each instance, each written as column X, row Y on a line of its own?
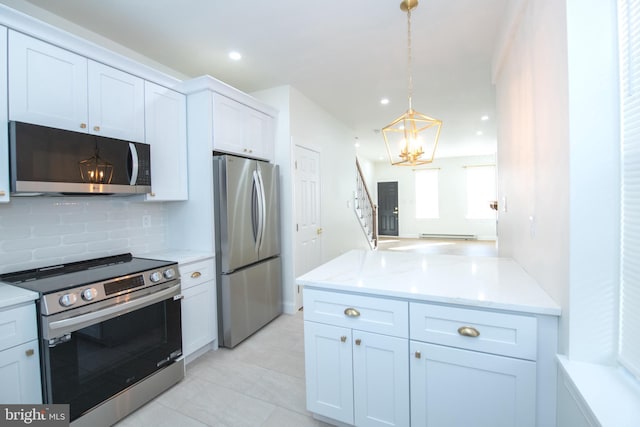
column 629, row 36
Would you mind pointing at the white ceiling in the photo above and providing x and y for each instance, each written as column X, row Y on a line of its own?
column 345, row 55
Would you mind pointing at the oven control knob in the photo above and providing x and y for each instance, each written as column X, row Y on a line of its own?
column 170, row 273
column 155, row 276
column 89, row 294
column 67, row 300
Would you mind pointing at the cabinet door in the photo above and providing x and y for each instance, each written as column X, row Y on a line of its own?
column 20, row 374
column 228, row 125
column 380, row 379
column 460, row 388
column 166, row 131
column 4, row 131
column 328, row 371
column 259, row 137
column 116, row 103
column 198, row 317
column 47, row 85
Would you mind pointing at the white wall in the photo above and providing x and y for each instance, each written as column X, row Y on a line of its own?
column 312, row 127
column 452, row 200
column 533, row 149
column 302, row 122
column 556, row 83
column 41, row 231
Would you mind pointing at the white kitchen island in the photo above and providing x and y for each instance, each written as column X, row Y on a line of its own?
column 395, row 338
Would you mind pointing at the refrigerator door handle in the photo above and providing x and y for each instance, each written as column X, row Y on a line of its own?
column 262, row 208
column 257, row 209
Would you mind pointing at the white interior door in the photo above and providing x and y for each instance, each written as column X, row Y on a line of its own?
column 307, row 201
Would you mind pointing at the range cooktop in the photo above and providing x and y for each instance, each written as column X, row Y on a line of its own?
column 55, row 278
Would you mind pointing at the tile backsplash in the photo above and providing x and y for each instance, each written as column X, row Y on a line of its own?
column 41, row 231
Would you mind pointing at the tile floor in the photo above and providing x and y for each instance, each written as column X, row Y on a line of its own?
column 258, row 383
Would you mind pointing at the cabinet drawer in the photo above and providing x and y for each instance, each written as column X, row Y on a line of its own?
column 379, row 315
column 499, row 333
column 17, row 326
column 194, row 273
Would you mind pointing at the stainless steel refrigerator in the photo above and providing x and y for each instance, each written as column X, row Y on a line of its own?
column 247, row 229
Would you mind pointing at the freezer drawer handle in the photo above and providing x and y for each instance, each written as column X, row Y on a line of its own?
column 351, row 312
column 468, row 331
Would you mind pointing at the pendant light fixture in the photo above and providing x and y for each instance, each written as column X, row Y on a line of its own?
column 95, row 170
column 412, row 138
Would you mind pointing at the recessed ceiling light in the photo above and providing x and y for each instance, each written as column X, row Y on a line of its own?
column 484, row 118
column 236, row 56
column 479, row 133
column 384, row 101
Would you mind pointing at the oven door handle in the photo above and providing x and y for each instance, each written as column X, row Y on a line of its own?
column 58, row 327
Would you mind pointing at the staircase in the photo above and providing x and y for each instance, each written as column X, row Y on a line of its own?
column 365, row 209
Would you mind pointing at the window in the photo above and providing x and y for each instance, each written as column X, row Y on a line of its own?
column 481, row 190
column 629, row 340
column 427, row 194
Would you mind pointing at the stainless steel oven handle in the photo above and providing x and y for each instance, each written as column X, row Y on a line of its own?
column 98, row 316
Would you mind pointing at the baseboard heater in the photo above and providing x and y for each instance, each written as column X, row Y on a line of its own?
column 448, row 236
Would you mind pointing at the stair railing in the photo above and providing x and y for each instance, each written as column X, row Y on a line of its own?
column 366, row 209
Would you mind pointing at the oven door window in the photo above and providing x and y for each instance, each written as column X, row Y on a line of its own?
column 97, row 362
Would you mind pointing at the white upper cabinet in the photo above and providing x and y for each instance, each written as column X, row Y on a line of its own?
column 166, row 132
column 4, row 142
column 53, row 87
column 116, row 103
column 47, row 85
column 239, row 129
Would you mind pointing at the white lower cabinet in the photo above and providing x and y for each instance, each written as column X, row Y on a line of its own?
column 355, row 372
column 199, row 318
column 381, row 380
column 357, row 377
column 329, row 371
column 19, row 356
column 20, row 374
column 460, row 388
column 374, row 361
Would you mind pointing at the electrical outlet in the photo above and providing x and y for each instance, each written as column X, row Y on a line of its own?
column 146, row 221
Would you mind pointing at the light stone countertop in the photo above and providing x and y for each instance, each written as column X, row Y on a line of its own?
column 178, row 255
column 12, row 295
column 486, row 282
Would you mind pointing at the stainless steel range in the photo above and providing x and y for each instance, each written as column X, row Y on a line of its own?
column 110, row 333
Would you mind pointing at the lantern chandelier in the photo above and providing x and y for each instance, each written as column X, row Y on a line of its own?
column 412, row 138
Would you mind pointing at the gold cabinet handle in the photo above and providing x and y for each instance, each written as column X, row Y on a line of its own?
column 29, row 352
column 468, row 331
column 2, row 193
column 418, row 355
column 152, row 194
column 96, row 128
column 195, row 274
column 83, row 125
column 351, row 312
column 343, row 338
column 358, row 341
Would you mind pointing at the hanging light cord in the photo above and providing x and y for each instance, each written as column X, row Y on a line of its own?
column 410, row 82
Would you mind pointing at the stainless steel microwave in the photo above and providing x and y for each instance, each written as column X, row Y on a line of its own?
column 55, row 161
